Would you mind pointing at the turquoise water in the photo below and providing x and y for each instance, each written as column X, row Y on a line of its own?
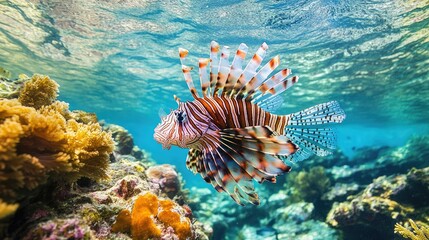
column 119, row 59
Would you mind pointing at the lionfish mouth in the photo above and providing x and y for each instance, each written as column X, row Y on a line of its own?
column 166, row 146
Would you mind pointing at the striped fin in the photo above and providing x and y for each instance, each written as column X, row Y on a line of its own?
column 214, row 65
column 223, row 70
column 274, row 80
column 250, row 69
column 193, row 159
column 245, row 154
column 204, row 77
column 260, row 77
column 283, row 86
column 236, row 69
column 323, row 113
column 187, row 72
column 304, row 130
column 259, row 139
column 271, row 96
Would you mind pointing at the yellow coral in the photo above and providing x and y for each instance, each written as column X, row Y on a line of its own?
column 38, row 144
column 418, row 233
column 7, row 209
column 39, row 91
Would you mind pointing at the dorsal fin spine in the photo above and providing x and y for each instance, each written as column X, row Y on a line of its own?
column 260, row 77
column 187, row 72
column 250, row 69
column 236, row 69
column 214, row 65
column 271, row 82
column 223, row 70
column 204, row 77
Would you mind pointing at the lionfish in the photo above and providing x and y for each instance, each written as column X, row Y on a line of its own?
column 230, row 131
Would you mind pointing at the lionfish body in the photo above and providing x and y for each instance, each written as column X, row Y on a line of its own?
column 232, row 135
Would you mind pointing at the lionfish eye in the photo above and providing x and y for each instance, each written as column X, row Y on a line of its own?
column 181, row 116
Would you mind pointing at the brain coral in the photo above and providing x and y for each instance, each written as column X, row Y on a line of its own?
column 41, row 140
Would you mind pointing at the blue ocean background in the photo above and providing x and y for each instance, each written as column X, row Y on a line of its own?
column 119, row 59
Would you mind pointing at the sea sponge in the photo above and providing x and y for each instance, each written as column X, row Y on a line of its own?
column 151, row 217
column 37, row 144
column 38, row 91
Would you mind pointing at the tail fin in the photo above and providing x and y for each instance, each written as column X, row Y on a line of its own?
column 307, row 130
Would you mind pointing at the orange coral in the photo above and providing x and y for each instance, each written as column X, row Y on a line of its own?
column 142, row 225
column 150, row 216
column 123, row 222
column 36, row 144
column 168, row 216
column 39, row 91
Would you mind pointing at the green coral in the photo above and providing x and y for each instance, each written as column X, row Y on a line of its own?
column 309, row 185
column 417, row 233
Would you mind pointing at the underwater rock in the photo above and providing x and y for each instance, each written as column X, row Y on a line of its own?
column 370, row 163
column 124, row 142
column 165, row 178
column 340, row 191
column 60, row 229
column 83, row 117
column 314, row 230
column 10, row 88
column 129, row 186
column 297, row 212
column 382, row 203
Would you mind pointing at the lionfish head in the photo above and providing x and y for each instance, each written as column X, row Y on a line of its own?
column 176, row 129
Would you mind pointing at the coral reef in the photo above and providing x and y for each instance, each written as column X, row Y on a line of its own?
column 381, row 204
column 417, row 233
column 38, row 144
column 49, row 159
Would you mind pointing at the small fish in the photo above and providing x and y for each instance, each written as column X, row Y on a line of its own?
column 232, row 135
